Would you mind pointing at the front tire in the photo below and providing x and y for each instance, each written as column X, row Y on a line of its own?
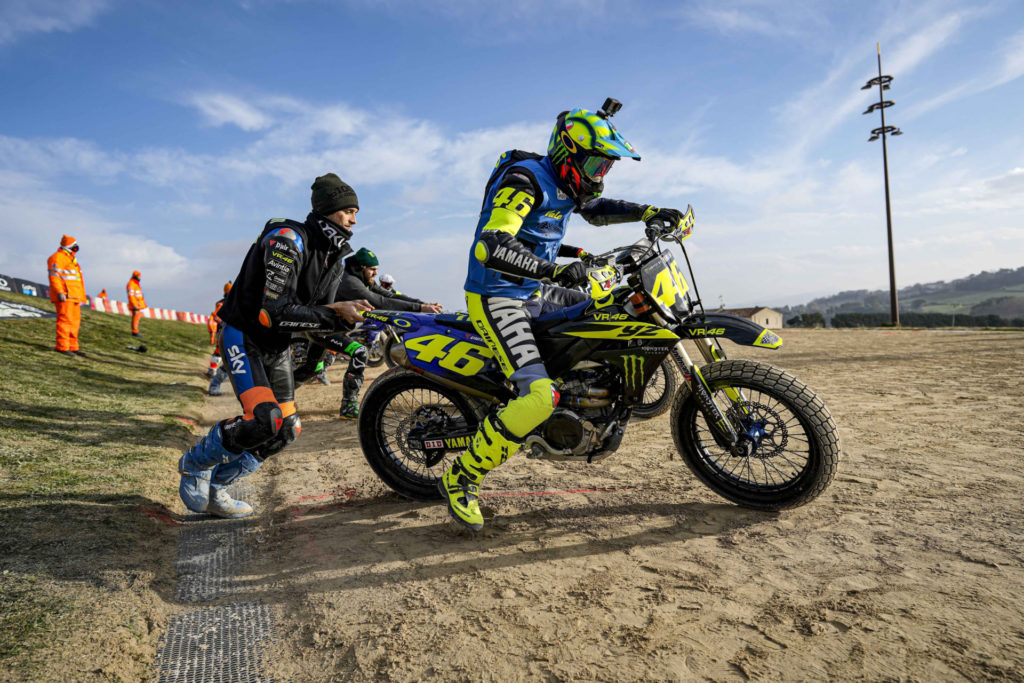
column 398, row 403
column 797, row 451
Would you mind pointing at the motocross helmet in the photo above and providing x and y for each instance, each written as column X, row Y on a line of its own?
column 582, row 149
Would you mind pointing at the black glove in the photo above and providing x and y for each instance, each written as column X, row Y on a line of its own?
column 571, row 274
column 665, row 219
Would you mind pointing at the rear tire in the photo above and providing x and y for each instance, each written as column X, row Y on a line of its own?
column 783, row 411
column 396, row 403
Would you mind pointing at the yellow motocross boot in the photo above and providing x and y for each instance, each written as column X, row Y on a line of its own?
column 460, row 485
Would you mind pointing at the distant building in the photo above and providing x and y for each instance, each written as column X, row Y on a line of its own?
column 768, row 317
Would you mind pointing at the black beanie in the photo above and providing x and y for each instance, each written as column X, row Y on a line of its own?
column 330, row 194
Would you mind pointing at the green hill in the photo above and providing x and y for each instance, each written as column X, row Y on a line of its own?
column 999, row 293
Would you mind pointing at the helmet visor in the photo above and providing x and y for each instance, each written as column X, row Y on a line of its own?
column 595, row 167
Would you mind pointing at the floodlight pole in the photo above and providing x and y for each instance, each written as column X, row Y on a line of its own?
column 893, row 303
column 883, row 84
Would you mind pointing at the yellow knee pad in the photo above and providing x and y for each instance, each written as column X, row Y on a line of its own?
column 521, row 415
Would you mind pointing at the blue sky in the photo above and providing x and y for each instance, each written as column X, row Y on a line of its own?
column 164, row 134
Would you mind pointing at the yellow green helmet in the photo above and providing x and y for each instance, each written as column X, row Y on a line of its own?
column 583, row 147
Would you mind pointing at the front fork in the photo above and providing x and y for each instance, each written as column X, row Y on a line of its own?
column 724, row 430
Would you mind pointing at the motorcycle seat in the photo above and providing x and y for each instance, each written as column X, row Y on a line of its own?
column 456, row 321
column 545, row 321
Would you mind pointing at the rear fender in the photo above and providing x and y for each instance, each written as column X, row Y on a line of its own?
column 452, row 357
column 734, row 328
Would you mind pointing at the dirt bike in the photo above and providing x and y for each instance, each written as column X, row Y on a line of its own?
column 661, row 387
column 754, row 434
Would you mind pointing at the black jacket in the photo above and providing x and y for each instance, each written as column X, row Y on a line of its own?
column 352, row 287
column 291, row 271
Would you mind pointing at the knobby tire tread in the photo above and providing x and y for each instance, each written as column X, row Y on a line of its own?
column 821, row 429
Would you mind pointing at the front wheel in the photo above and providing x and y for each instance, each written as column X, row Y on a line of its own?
column 411, row 430
column 792, row 444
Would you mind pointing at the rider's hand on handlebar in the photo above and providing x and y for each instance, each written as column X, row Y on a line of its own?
column 349, row 310
column 430, row 308
column 662, row 220
column 570, row 274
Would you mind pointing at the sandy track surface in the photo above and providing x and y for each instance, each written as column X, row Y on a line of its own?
column 910, row 566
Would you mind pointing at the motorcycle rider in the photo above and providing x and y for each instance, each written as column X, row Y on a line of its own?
column 356, row 283
column 286, row 283
column 512, row 277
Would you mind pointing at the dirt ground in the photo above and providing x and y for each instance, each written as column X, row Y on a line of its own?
column 910, row 566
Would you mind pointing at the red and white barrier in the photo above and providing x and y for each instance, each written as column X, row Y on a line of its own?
column 120, row 307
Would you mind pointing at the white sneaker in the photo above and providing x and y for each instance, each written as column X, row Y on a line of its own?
column 223, row 505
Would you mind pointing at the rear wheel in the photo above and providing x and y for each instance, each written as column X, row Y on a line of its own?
column 659, row 392
column 400, row 412
column 792, row 443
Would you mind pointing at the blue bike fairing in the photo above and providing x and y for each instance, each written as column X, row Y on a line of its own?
column 541, row 232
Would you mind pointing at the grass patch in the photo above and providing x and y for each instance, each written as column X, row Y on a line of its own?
column 28, row 614
column 86, row 447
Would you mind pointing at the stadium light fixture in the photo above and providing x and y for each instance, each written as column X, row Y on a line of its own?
column 883, row 82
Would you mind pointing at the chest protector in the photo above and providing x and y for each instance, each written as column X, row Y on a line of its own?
column 542, row 230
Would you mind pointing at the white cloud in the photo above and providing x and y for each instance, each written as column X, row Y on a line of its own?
column 1009, row 67
column 55, row 156
column 758, row 17
column 220, row 109
column 35, row 217
column 19, row 18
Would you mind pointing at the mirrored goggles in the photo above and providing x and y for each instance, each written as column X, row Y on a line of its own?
column 595, row 167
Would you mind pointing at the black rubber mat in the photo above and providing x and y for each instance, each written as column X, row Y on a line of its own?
column 224, row 642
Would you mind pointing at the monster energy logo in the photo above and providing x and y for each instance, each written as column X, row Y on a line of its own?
column 633, row 367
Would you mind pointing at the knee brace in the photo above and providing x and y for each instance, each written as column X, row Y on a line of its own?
column 521, row 415
column 265, row 424
column 290, row 429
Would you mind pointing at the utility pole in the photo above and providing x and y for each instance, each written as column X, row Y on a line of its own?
column 883, row 84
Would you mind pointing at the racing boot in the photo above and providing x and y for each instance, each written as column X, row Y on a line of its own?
column 218, row 377
column 460, row 486
column 350, row 399
column 221, row 504
column 196, row 469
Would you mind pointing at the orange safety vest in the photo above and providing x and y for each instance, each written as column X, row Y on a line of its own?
column 214, row 319
column 136, row 301
column 65, row 277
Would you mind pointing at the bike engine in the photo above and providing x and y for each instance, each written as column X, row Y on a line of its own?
column 563, row 430
column 583, row 421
